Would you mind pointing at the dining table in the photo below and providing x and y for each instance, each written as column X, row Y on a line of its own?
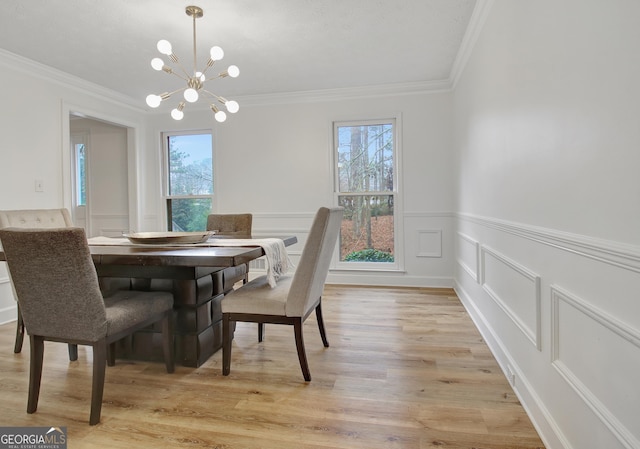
column 192, row 272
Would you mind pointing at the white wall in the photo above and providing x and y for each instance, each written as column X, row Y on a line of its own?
column 107, row 173
column 546, row 147
column 275, row 162
column 35, row 138
column 272, row 159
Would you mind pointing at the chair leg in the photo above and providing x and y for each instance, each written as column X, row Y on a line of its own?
column 227, row 337
column 167, row 341
column 97, row 384
column 323, row 332
column 111, row 354
column 73, row 352
column 302, row 355
column 260, row 332
column 35, row 372
column 19, row 333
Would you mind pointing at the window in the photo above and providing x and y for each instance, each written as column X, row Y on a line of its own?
column 80, row 157
column 188, row 180
column 81, row 174
column 366, row 186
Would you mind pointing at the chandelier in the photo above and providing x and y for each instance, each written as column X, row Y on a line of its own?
column 195, row 80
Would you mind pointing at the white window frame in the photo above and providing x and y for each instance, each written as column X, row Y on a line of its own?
column 165, row 171
column 398, row 222
column 80, row 213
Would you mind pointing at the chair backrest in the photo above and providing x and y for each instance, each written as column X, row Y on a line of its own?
column 35, row 218
column 56, row 281
column 237, row 225
column 308, row 281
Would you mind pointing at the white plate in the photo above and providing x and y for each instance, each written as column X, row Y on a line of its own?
column 157, row 238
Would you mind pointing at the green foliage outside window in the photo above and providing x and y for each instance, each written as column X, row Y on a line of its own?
column 189, row 181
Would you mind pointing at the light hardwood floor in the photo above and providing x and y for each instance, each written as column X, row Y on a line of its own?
column 406, row 369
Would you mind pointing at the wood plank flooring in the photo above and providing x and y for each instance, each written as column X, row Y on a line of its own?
column 406, row 369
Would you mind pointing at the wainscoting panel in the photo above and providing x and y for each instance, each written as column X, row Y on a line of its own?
column 430, row 242
column 469, row 255
column 110, row 225
column 574, row 297
column 582, row 338
column 515, row 289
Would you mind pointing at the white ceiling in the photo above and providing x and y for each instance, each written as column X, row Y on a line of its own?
column 280, row 46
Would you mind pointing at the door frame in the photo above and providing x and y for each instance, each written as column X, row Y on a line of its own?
column 134, row 142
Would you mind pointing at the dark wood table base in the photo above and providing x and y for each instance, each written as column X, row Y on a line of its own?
column 197, row 294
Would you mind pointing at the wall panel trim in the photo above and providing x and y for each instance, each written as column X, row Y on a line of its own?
column 612, row 253
column 435, row 251
column 475, row 270
column 532, row 335
column 619, row 328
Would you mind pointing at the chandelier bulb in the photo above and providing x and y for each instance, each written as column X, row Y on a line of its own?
column 157, row 64
column 164, row 47
column 232, row 106
column 191, row 95
column 216, row 53
column 233, row 71
column 154, row 100
column 177, row 114
column 220, row 116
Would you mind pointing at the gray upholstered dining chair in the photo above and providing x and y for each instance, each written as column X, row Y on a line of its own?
column 60, row 300
column 293, row 298
column 34, row 218
column 237, row 226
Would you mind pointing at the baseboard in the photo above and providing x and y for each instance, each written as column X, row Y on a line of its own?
column 542, row 420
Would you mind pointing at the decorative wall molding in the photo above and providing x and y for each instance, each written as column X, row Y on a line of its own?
column 430, row 243
column 436, row 214
column 109, row 216
column 350, row 93
column 540, row 415
column 606, row 251
column 47, row 73
column 476, row 23
column 494, row 285
column 386, row 278
column 618, row 328
column 474, row 270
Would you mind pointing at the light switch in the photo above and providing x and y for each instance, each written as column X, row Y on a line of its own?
column 39, row 185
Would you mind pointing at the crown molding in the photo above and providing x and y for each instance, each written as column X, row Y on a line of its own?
column 47, row 73
column 471, row 35
column 347, row 93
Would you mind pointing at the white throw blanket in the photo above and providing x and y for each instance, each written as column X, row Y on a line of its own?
column 278, row 262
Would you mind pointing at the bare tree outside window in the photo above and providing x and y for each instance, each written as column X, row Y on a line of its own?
column 189, row 181
column 365, row 184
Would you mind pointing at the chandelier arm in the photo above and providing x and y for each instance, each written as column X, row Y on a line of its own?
column 195, row 16
column 209, row 64
column 184, row 78
column 177, row 90
column 211, row 94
